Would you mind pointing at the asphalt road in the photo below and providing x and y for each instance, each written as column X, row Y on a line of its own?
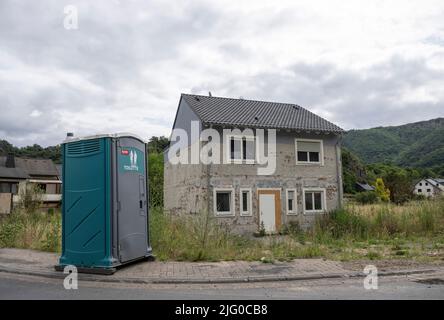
column 26, row 287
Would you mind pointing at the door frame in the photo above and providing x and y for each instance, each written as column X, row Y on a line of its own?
column 277, row 205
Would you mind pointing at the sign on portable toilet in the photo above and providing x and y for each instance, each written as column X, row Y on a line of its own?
column 105, row 216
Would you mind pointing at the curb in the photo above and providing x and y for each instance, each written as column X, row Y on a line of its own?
column 248, row 279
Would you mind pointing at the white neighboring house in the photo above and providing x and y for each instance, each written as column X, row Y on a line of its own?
column 429, row 187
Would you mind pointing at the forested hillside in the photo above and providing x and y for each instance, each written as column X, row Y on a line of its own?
column 419, row 144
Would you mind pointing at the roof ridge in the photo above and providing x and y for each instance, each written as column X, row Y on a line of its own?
column 243, row 99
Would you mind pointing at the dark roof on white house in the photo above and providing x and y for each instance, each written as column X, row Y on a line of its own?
column 27, row 168
column 13, row 173
column 256, row 114
column 37, row 167
column 365, row 186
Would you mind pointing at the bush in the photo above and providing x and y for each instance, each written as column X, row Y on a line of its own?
column 367, row 197
column 30, row 198
column 382, row 192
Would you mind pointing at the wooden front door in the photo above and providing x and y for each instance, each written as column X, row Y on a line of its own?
column 270, row 209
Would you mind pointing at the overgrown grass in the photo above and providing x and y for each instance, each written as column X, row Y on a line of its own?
column 355, row 232
column 200, row 238
column 39, row 231
column 412, row 231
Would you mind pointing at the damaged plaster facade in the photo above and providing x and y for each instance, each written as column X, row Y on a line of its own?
column 190, row 188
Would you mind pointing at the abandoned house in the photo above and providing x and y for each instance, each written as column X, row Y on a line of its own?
column 430, row 187
column 305, row 182
column 17, row 173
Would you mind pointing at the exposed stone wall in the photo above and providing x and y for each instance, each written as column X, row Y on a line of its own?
column 185, row 188
column 189, row 188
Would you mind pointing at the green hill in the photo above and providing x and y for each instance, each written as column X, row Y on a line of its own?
column 419, row 144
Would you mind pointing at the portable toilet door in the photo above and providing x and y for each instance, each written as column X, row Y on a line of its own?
column 131, row 199
column 105, row 221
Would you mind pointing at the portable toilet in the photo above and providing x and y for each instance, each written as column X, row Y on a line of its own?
column 105, row 218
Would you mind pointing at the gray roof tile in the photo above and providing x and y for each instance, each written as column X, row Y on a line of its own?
column 252, row 113
column 27, row 167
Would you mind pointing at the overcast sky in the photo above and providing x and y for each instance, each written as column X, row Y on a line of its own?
column 360, row 64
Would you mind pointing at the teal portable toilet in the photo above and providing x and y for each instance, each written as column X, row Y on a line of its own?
column 105, row 218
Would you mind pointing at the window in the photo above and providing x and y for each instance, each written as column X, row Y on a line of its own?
column 241, row 149
column 426, row 183
column 420, row 183
column 8, row 187
column 419, row 190
column 223, row 202
column 245, row 202
column 429, row 190
column 309, row 151
column 235, row 149
column 291, row 201
column 314, row 200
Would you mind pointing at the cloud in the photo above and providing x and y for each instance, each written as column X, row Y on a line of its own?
column 359, row 64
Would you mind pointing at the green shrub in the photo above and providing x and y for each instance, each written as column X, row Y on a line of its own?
column 10, row 231
column 367, row 197
column 30, row 198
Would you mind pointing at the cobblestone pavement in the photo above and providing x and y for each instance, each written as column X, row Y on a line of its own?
column 42, row 263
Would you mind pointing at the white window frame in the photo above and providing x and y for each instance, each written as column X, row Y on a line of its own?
column 295, row 202
column 323, row 200
column 248, row 213
column 223, row 213
column 308, row 162
column 240, row 138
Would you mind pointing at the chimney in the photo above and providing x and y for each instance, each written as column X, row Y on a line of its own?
column 69, row 135
column 209, row 94
column 10, row 161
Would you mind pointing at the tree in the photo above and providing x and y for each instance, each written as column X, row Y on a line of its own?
column 382, row 192
column 400, row 185
column 157, row 144
column 353, row 170
column 155, row 174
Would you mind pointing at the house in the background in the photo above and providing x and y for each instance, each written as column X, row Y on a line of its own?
column 306, row 182
column 430, row 187
column 362, row 187
column 16, row 173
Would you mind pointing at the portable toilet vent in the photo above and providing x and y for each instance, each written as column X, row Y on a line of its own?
column 105, row 215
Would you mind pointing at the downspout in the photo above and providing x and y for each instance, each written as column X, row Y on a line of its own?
column 208, row 185
column 339, row 170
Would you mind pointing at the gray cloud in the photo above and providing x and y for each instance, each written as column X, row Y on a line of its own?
column 359, row 99
column 125, row 66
